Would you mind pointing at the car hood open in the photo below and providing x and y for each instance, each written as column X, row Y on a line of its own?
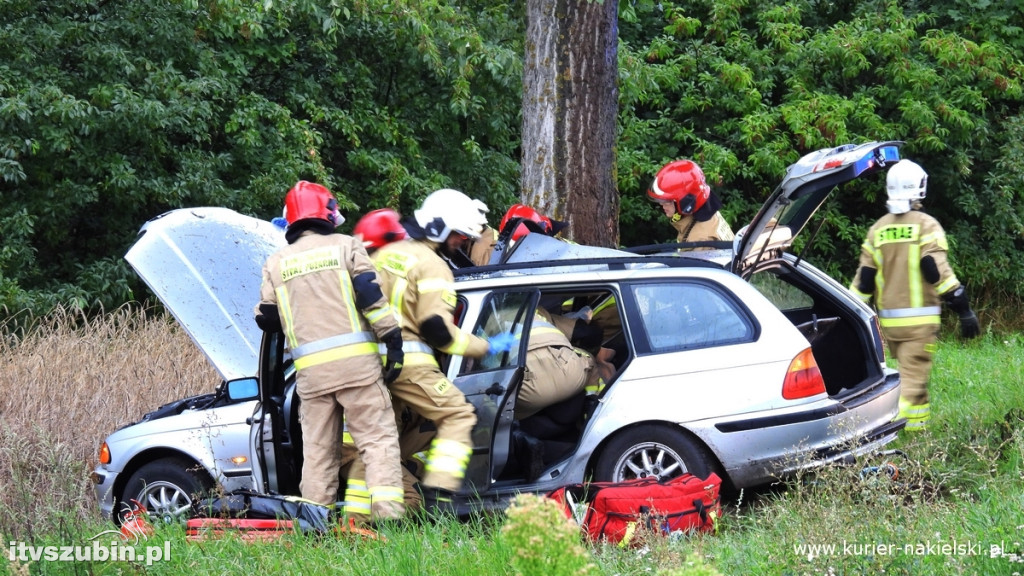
column 204, row 264
column 807, row 184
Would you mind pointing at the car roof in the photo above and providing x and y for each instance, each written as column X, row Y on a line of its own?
column 544, row 258
column 205, row 265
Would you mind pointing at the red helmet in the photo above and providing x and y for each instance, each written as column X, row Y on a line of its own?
column 379, row 227
column 525, row 213
column 309, row 200
column 681, row 182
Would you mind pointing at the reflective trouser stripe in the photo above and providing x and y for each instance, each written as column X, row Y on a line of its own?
column 448, row 457
column 917, row 415
column 349, row 351
column 387, row 494
column 357, row 498
column 331, row 342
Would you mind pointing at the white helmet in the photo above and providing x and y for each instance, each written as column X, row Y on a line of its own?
column 905, row 183
column 447, row 210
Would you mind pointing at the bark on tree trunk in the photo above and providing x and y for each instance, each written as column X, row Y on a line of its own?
column 570, row 107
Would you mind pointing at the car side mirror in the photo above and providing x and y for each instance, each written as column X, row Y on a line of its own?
column 243, row 389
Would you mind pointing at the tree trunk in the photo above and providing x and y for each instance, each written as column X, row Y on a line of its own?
column 570, row 108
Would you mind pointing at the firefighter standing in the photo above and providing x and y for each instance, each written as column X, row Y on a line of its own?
column 322, row 291
column 688, row 202
column 904, row 268
column 421, row 286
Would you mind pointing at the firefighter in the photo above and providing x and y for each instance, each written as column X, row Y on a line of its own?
column 905, row 271
column 688, row 202
column 420, row 284
column 376, row 229
column 322, row 292
column 557, row 367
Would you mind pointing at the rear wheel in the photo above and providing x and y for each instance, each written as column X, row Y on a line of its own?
column 651, row 450
column 166, row 488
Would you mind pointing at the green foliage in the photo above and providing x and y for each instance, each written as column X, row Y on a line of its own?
column 745, row 87
column 112, row 112
column 543, row 540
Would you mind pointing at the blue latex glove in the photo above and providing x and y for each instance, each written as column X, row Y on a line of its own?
column 502, row 342
column 280, row 222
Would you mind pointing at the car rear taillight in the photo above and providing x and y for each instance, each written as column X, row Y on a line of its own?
column 803, row 378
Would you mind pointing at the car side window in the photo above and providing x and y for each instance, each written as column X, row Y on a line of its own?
column 689, row 315
column 502, row 312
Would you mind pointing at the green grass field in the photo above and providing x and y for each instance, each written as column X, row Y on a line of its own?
column 956, row 505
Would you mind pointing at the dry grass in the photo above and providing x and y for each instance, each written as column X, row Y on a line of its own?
column 67, row 384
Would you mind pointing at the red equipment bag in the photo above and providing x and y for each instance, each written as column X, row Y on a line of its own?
column 614, row 511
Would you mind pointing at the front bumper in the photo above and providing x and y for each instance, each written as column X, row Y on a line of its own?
column 103, row 484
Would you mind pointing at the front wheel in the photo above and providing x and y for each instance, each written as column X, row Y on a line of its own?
column 166, row 488
column 651, row 450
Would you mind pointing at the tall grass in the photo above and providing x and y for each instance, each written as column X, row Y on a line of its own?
column 66, row 385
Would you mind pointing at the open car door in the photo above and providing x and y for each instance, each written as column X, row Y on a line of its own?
column 492, row 383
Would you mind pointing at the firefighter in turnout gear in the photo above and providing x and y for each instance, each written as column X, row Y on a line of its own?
column 377, row 229
column 421, row 287
column 688, row 202
column 904, row 270
column 322, row 292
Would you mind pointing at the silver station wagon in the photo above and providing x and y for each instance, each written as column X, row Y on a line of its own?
column 742, row 359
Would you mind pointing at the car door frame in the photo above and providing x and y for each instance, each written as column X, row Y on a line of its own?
column 493, row 392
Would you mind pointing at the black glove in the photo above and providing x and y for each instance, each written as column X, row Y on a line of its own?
column 969, row 327
column 395, row 357
column 267, row 318
column 957, row 302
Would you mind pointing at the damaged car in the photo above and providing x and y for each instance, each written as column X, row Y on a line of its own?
column 744, row 360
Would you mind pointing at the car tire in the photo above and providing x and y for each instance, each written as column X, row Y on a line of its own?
column 651, row 450
column 166, row 488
